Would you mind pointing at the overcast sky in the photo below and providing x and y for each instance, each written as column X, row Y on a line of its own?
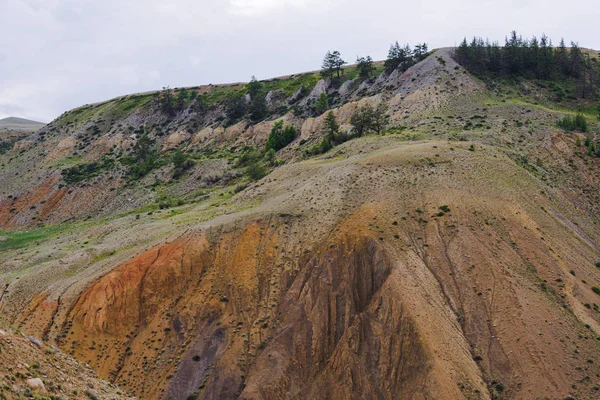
column 59, row 54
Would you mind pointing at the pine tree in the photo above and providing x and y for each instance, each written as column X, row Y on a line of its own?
column 338, row 63
column 254, row 86
column 532, row 54
column 399, row 57
column 328, row 66
column 365, row 66
column 361, row 120
column 462, row 53
column 379, row 118
column 322, row 103
column 258, row 107
column 166, row 101
column 420, row 51
column 331, row 128
column 575, row 60
column 280, row 136
column 545, row 59
column 395, row 57
column 258, row 104
column 562, row 58
column 512, row 52
column 332, row 64
column 143, row 148
column 236, row 108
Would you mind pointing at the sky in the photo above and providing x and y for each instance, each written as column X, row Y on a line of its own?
column 59, row 54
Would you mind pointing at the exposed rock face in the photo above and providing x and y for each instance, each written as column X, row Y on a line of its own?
column 275, row 98
column 174, row 140
column 296, row 96
column 321, row 87
column 344, row 90
column 63, row 148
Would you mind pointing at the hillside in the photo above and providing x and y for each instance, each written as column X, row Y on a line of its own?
column 454, row 255
column 33, row 369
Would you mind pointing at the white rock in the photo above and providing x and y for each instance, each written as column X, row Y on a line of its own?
column 35, row 342
column 36, row 384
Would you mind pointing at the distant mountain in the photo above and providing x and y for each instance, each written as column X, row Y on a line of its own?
column 14, row 124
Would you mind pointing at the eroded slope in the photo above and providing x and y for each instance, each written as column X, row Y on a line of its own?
column 350, row 279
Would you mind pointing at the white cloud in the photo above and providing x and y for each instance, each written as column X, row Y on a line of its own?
column 265, row 7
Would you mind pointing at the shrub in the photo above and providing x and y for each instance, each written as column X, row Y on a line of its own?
column 82, row 172
column 280, row 136
column 236, row 108
column 255, row 171
column 181, row 163
column 569, row 124
column 240, row 188
column 323, row 147
column 164, row 201
column 249, row 156
column 596, row 290
column 270, row 156
column 366, row 119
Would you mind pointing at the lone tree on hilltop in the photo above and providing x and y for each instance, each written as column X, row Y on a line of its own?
column 332, row 65
column 258, row 104
column 365, row 66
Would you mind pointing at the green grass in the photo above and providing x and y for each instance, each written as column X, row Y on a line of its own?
column 84, row 113
column 71, row 161
column 126, row 105
column 17, row 240
column 111, row 109
column 292, row 84
column 103, row 256
column 218, row 94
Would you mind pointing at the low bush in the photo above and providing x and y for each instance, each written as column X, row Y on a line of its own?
column 569, row 124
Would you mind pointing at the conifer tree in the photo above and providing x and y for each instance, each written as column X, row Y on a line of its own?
column 331, row 128
column 258, row 104
column 332, row 65
column 365, row 66
column 322, row 103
